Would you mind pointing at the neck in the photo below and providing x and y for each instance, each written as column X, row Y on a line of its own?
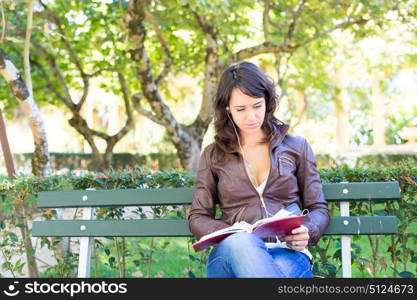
column 252, row 139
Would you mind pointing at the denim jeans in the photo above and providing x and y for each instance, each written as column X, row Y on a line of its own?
column 245, row 255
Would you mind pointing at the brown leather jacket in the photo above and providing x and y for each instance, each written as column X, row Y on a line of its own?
column 293, row 178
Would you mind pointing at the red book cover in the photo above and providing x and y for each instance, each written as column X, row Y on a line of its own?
column 280, row 227
column 263, row 228
column 205, row 243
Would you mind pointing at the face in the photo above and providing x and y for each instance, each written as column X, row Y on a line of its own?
column 247, row 112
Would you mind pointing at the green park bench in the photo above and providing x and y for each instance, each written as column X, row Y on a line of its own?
column 87, row 228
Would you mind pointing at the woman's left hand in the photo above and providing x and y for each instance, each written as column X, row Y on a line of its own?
column 298, row 240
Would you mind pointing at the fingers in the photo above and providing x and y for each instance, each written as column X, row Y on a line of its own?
column 298, row 245
column 298, row 240
column 301, row 229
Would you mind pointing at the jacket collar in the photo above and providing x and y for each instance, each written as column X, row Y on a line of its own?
column 281, row 131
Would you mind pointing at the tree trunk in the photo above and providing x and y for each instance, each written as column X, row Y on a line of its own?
column 40, row 161
column 41, row 158
column 190, row 147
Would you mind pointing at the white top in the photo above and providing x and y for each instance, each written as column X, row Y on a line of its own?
column 261, row 187
column 278, row 243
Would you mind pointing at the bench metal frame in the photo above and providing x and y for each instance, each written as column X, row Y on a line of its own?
column 88, row 228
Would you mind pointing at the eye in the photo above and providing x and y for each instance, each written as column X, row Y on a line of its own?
column 257, row 106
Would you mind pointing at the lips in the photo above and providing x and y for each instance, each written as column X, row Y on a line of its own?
column 251, row 125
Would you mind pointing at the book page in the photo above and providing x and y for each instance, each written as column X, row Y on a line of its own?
column 232, row 229
column 291, row 210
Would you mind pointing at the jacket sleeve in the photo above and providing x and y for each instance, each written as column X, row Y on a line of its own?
column 311, row 193
column 201, row 219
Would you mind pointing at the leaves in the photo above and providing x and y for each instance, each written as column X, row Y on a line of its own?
column 13, row 236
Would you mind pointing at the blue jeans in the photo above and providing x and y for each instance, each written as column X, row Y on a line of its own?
column 245, row 255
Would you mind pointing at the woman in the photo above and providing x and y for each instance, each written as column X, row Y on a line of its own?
column 253, row 169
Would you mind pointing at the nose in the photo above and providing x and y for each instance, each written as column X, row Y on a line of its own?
column 251, row 117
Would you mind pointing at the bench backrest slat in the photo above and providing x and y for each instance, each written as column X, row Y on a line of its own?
column 358, row 225
column 120, row 197
column 169, row 227
column 362, row 191
column 370, row 191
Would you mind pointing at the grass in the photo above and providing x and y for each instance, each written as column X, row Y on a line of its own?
column 171, row 259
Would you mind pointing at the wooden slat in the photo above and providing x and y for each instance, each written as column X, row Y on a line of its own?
column 362, row 225
column 146, row 227
column 165, row 227
column 375, row 191
column 121, row 197
column 362, row 191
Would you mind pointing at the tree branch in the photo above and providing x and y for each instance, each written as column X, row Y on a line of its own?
column 209, row 31
column 130, row 118
column 52, row 16
column 49, row 84
column 50, row 59
column 266, row 20
column 359, row 21
column 125, row 93
column 136, row 102
column 3, row 22
column 164, row 44
column 13, row 78
column 28, row 34
column 295, row 17
column 265, row 47
column 268, row 47
column 137, row 35
column 77, row 121
column 211, row 72
column 99, row 71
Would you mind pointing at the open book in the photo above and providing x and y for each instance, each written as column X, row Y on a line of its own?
column 279, row 225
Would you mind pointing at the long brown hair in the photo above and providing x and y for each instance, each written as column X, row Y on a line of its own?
column 252, row 81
